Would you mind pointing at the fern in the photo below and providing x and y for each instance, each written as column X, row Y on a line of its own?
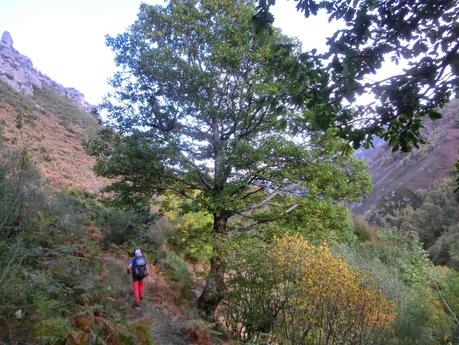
column 51, row 340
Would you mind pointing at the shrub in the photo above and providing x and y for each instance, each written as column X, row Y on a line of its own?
column 445, row 251
column 20, row 202
column 18, row 193
column 53, row 331
column 361, row 228
column 421, row 320
column 121, row 226
column 292, row 292
column 447, row 290
column 177, row 272
column 401, row 269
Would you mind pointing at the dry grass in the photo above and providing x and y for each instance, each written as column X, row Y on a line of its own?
column 54, row 149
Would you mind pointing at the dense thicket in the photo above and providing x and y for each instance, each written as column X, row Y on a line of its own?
column 291, row 292
column 425, row 295
column 432, row 214
column 268, row 272
column 54, row 287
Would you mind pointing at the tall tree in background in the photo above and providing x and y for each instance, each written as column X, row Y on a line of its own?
column 207, row 109
column 422, row 34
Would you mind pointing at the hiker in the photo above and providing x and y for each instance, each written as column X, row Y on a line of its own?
column 139, row 269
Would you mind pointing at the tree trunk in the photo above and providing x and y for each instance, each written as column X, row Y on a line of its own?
column 213, row 291
column 212, row 294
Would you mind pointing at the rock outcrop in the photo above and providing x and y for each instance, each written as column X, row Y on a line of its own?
column 18, row 72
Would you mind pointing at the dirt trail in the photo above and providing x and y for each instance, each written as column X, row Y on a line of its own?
column 157, row 307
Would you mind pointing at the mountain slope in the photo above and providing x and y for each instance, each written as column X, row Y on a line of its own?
column 47, row 120
column 419, row 169
column 17, row 71
column 51, row 130
column 63, row 252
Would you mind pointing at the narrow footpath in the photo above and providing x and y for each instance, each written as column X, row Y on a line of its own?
column 157, row 307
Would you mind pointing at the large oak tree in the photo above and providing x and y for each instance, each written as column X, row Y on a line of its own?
column 206, row 107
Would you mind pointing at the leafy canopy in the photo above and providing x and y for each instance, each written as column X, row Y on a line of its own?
column 423, row 35
column 206, row 109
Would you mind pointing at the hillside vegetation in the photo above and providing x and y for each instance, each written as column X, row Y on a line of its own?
column 63, row 269
column 226, row 157
column 64, row 253
column 63, row 278
column 432, row 214
column 419, row 169
column 51, row 129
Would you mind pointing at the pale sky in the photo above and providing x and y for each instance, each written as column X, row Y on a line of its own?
column 65, row 39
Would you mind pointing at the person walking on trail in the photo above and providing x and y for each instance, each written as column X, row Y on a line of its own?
column 139, row 269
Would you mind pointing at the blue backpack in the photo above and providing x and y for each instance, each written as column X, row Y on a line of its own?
column 139, row 269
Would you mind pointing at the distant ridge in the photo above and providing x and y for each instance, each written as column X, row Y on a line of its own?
column 419, row 169
column 17, row 71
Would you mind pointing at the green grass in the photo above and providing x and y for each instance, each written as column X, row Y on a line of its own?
column 23, row 105
column 48, row 102
column 69, row 114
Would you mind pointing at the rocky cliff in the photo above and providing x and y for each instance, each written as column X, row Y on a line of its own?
column 47, row 121
column 17, row 71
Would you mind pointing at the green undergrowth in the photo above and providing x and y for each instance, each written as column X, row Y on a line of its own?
column 58, row 285
column 63, row 257
column 23, row 106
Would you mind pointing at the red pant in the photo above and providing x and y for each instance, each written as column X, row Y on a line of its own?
column 138, row 290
